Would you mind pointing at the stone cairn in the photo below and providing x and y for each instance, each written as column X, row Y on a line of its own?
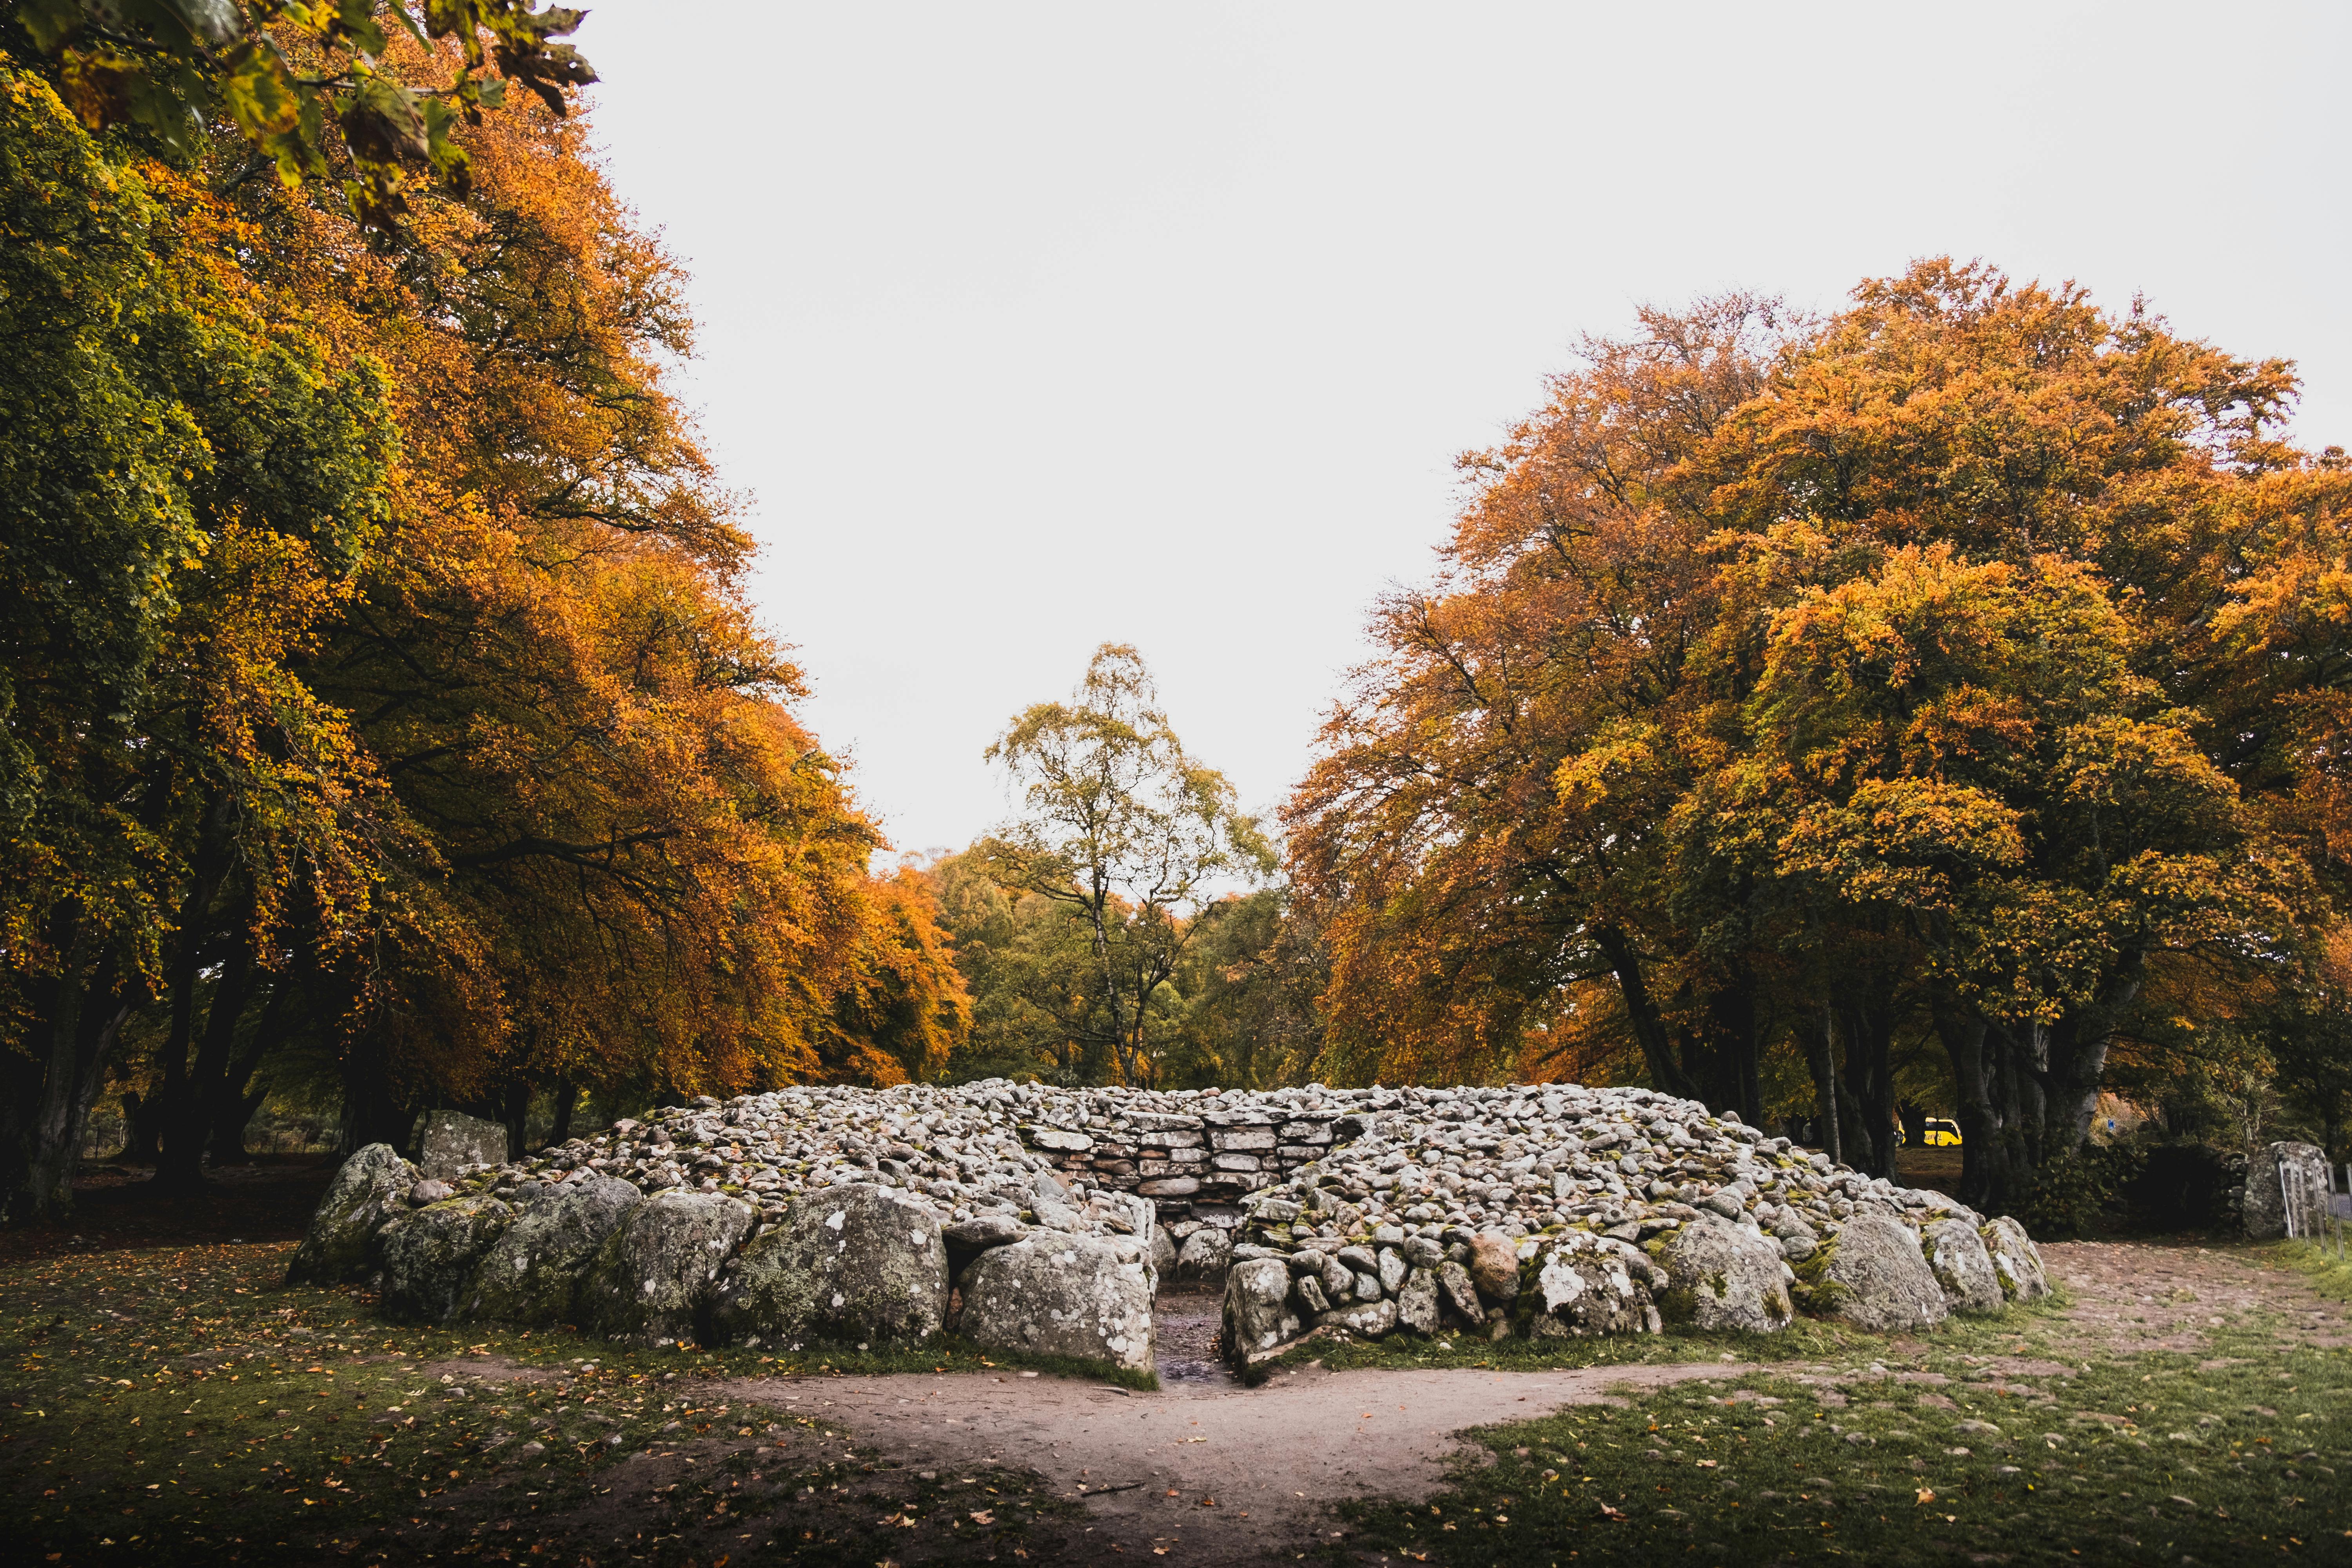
column 1037, row 1219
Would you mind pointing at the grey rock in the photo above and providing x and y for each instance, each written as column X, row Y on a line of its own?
column 1416, row 1302
column 1392, row 1270
column 430, row 1191
column 1257, row 1317
column 1873, row 1277
column 857, row 1265
column 1164, row 1254
column 2286, row 1186
column 368, row 1192
column 452, row 1141
column 1723, row 1275
column 1460, row 1294
column 1369, row 1320
column 2016, row 1260
column 968, row 1239
column 431, row 1254
column 1068, row 1296
column 651, row 1280
column 530, row 1276
column 1725, row 1202
column 1796, row 1247
column 1338, row 1279
column 1580, row 1292
column 1205, row 1254
column 1308, row 1289
column 1368, row 1288
column 1958, row 1258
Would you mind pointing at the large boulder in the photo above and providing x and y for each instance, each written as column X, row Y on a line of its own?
column 1724, row 1276
column 858, row 1264
column 1205, row 1254
column 1581, row 1291
column 968, row 1239
column 2016, row 1260
column 452, row 1143
column 1065, row 1296
column 1494, row 1266
column 432, row 1255
column 1257, row 1315
column 1957, row 1257
column 2287, row 1188
column 1872, row 1275
column 369, row 1191
column 654, row 1275
column 530, row 1276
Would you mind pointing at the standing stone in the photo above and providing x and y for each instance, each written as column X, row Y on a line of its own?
column 1958, row 1258
column 431, row 1256
column 530, row 1276
column 652, row 1276
column 2281, row 1177
column 368, row 1192
column 1723, row 1275
column 858, row 1264
column 452, row 1141
column 1066, row 1296
column 2016, row 1260
column 1873, row 1277
column 1257, row 1316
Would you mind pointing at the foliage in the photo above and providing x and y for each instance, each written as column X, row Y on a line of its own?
column 1127, row 835
column 1957, row 672
column 310, row 88
column 377, row 687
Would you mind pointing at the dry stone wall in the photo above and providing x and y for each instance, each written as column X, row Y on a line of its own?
column 1040, row 1219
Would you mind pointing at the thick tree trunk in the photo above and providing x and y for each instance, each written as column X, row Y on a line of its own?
column 143, row 1130
column 77, row 1018
column 1642, row 1010
column 567, row 1096
column 190, row 1087
column 1820, row 1054
column 229, row 1118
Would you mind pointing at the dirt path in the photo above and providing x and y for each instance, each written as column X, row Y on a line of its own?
column 2135, row 1296
column 1231, row 1474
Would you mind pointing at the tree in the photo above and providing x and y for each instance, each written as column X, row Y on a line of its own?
column 1130, row 835
column 309, row 88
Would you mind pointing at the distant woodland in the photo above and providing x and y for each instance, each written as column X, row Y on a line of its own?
column 1938, row 706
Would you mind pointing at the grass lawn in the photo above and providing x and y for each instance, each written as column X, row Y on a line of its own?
column 185, row 1405
column 1975, row 1445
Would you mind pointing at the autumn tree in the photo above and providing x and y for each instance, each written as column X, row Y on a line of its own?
column 1130, row 836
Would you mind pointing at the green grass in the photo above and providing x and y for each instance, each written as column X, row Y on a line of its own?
column 2232, row 1455
column 183, row 1405
column 2328, row 1275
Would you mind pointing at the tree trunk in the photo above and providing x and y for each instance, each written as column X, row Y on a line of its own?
column 514, row 1110
column 191, row 1088
column 77, row 1018
column 567, row 1094
column 143, row 1130
column 1642, row 1010
column 1820, row 1054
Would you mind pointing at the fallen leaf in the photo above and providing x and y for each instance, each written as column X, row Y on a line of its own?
column 1926, row 1494
column 1608, row 1512
column 983, row 1517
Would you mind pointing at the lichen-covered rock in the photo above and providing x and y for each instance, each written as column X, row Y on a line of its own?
column 1365, row 1320
column 1416, row 1302
column 654, row 1275
column 1258, row 1318
column 530, row 1276
column 1205, row 1254
column 1066, row 1295
column 967, row 1240
column 431, row 1256
column 856, row 1265
column 453, row 1143
column 368, row 1192
column 1460, row 1292
column 1578, row 1291
column 1873, row 1277
column 2016, row 1260
column 1724, row 1276
column 1958, row 1258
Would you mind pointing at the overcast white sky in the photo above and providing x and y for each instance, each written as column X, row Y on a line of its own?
column 1029, row 327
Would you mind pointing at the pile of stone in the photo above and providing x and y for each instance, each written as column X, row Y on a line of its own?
column 1041, row 1219
column 1563, row 1211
